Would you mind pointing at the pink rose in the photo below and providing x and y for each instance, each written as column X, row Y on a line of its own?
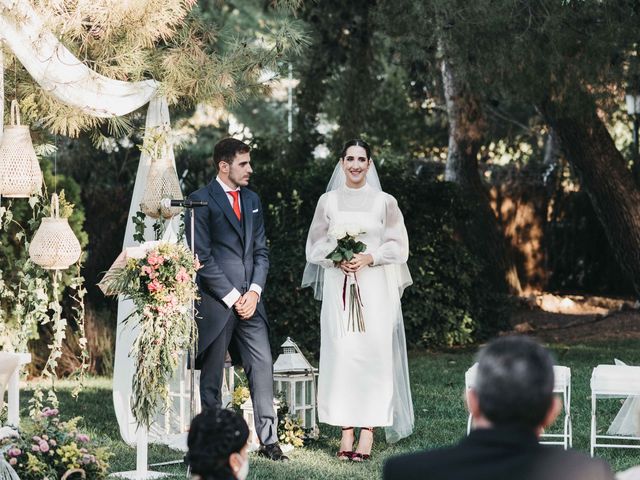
column 49, row 412
column 35, row 448
column 147, row 270
column 81, row 437
column 155, row 259
column 13, row 461
column 44, row 446
column 155, row 286
column 182, row 276
column 14, row 452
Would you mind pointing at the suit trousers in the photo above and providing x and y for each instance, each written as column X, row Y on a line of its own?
column 250, row 339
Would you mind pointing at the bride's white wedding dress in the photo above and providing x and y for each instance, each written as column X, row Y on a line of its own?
column 363, row 379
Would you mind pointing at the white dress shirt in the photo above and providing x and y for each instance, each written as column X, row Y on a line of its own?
column 232, row 297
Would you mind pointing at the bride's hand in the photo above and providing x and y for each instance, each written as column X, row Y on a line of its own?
column 346, row 267
column 360, row 260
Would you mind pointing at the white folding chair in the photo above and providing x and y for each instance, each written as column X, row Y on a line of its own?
column 612, row 381
column 562, row 386
column 10, row 380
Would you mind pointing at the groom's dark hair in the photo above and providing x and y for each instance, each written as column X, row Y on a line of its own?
column 227, row 149
column 515, row 382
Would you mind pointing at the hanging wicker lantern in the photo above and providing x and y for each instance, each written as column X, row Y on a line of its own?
column 54, row 246
column 20, row 174
column 162, row 183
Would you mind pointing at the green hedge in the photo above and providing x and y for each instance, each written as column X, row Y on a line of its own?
column 449, row 302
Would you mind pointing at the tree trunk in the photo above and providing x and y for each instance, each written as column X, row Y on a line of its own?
column 605, row 177
column 483, row 234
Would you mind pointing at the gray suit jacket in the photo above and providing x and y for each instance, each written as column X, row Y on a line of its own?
column 233, row 254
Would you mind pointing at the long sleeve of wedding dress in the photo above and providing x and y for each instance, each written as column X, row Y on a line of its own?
column 319, row 244
column 394, row 247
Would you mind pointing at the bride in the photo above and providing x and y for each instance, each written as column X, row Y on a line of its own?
column 364, row 378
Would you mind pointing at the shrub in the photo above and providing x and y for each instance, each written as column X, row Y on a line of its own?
column 448, row 304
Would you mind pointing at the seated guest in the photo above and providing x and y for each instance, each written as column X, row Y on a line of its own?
column 217, row 444
column 511, row 404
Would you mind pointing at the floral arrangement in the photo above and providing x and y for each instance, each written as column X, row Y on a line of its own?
column 347, row 246
column 290, row 432
column 240, row 395
column 50, row 448
column 158, row 277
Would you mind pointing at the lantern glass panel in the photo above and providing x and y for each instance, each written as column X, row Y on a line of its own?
column 299, row 388
column 307, row 393
column 307, row 418
column 284, row 387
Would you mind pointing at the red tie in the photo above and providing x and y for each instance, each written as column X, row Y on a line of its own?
column 236, row 202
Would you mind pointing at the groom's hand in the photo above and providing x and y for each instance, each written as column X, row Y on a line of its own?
column 246, row 305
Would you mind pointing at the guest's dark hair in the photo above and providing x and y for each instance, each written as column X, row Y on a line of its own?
column 213, row 436
column 514, row 383
column 356, row 142
column 227, row 149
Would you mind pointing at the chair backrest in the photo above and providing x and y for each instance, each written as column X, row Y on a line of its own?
column 613, row 379
column 562, row 377
column 8, row 364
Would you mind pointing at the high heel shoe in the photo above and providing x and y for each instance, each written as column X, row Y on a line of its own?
column 345, row 454
column 361, row 457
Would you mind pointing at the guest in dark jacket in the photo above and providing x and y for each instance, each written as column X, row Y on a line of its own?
column 217, row 443
column 511, row 403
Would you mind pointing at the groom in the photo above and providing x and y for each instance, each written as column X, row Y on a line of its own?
column 232, row 249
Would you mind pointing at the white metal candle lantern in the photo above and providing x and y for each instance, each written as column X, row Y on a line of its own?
column 54, row 245
column 295, row 377
column 20, row 174
column 249, row 417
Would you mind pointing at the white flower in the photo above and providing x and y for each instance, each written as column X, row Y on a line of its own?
column 337, row 232
column 353, row 230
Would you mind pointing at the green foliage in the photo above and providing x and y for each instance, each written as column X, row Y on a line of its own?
column 48, row 448
column 25, row 287
column 448, row 304
column 178, row 43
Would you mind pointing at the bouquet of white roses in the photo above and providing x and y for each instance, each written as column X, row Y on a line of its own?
column 348, row 245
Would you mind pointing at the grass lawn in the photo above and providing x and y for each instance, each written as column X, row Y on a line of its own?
column 438, row 382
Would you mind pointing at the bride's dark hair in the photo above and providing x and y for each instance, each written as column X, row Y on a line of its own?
column 356, row 142
column 213, row 436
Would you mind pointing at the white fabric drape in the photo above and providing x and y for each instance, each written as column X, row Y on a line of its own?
column 627, row 421
column 124, row 365
column 61, row 73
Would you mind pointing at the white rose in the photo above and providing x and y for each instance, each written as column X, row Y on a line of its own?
column 337, row 232
column 353, row 230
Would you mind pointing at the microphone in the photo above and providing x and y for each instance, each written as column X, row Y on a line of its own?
column 184, row 203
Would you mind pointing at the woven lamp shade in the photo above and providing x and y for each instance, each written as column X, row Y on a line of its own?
column 162, row 183
column 20, row 174
column 54, row 246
